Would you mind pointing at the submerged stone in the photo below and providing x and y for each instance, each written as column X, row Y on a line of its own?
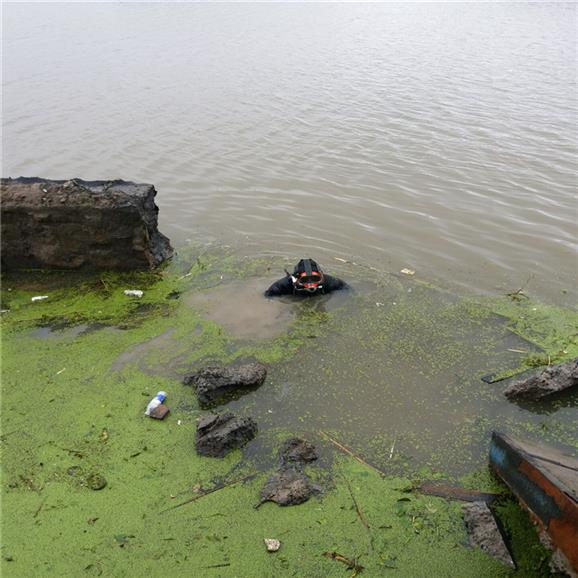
column 552, row 379
column 213, row 383
column 217, row 435
column 297, row 450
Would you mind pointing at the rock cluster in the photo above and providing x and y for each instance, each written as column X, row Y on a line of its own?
column 290, row 485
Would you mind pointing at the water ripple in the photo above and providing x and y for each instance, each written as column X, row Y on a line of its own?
column 437, row 135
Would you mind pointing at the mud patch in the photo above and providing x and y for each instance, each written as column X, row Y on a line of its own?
column 137, row 352
column 242, row 310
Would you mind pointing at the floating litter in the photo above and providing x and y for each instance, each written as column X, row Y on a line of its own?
column 272, row 544
column 39, row 297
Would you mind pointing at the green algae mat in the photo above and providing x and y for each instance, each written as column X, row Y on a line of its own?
column 391, row 371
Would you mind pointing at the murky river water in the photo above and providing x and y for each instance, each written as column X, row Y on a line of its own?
column 440, row 137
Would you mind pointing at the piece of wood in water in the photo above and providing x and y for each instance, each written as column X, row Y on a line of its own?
column 455, row 493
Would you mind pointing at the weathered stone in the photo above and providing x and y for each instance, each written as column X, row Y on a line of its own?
column 483, row 531
column 217, row 435
column 213, row 383
column 288, row 487
column 553, row 379
column 80, row 224
column 296, row 450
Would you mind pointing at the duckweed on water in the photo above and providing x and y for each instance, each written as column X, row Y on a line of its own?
column 398, row 383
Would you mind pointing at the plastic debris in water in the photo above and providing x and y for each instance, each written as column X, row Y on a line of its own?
column 160, row 412
column 272, row 544
column 133, row 292
column 407, row 271
column 39, row 297
column 155, row 402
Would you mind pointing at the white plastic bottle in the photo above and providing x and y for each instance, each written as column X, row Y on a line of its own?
column 155, row 402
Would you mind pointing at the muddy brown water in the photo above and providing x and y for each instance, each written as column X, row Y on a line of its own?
column 242, row 310
column 240, row 307
column 435, row 136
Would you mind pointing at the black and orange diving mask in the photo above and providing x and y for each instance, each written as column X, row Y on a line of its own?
column 306, row 277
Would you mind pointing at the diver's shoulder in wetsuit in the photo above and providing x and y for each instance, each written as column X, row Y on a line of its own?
column 284, row 286
column 333, row 284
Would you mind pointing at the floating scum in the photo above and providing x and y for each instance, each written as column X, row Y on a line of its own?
column 392, row 372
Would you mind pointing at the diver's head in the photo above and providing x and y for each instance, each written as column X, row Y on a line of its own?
column 307, row 276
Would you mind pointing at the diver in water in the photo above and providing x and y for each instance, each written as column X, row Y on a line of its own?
column 307, row 279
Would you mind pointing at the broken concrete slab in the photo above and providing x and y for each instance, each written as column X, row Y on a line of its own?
column 218, row 434
column 78, row 224
column 484, row 533
column 552, row 379
column 214, row 383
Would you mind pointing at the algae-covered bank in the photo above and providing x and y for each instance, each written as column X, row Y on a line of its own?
column 391, row 371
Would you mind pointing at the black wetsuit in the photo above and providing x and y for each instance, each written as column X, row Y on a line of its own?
column 285, row 287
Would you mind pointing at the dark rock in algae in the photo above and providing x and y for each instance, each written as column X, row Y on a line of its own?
column 288, row 487
column 212, row 383
column 297, row 450
column 217, row 435
column 553, row 379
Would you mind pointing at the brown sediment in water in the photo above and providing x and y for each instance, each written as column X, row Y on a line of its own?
column 242, row 310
